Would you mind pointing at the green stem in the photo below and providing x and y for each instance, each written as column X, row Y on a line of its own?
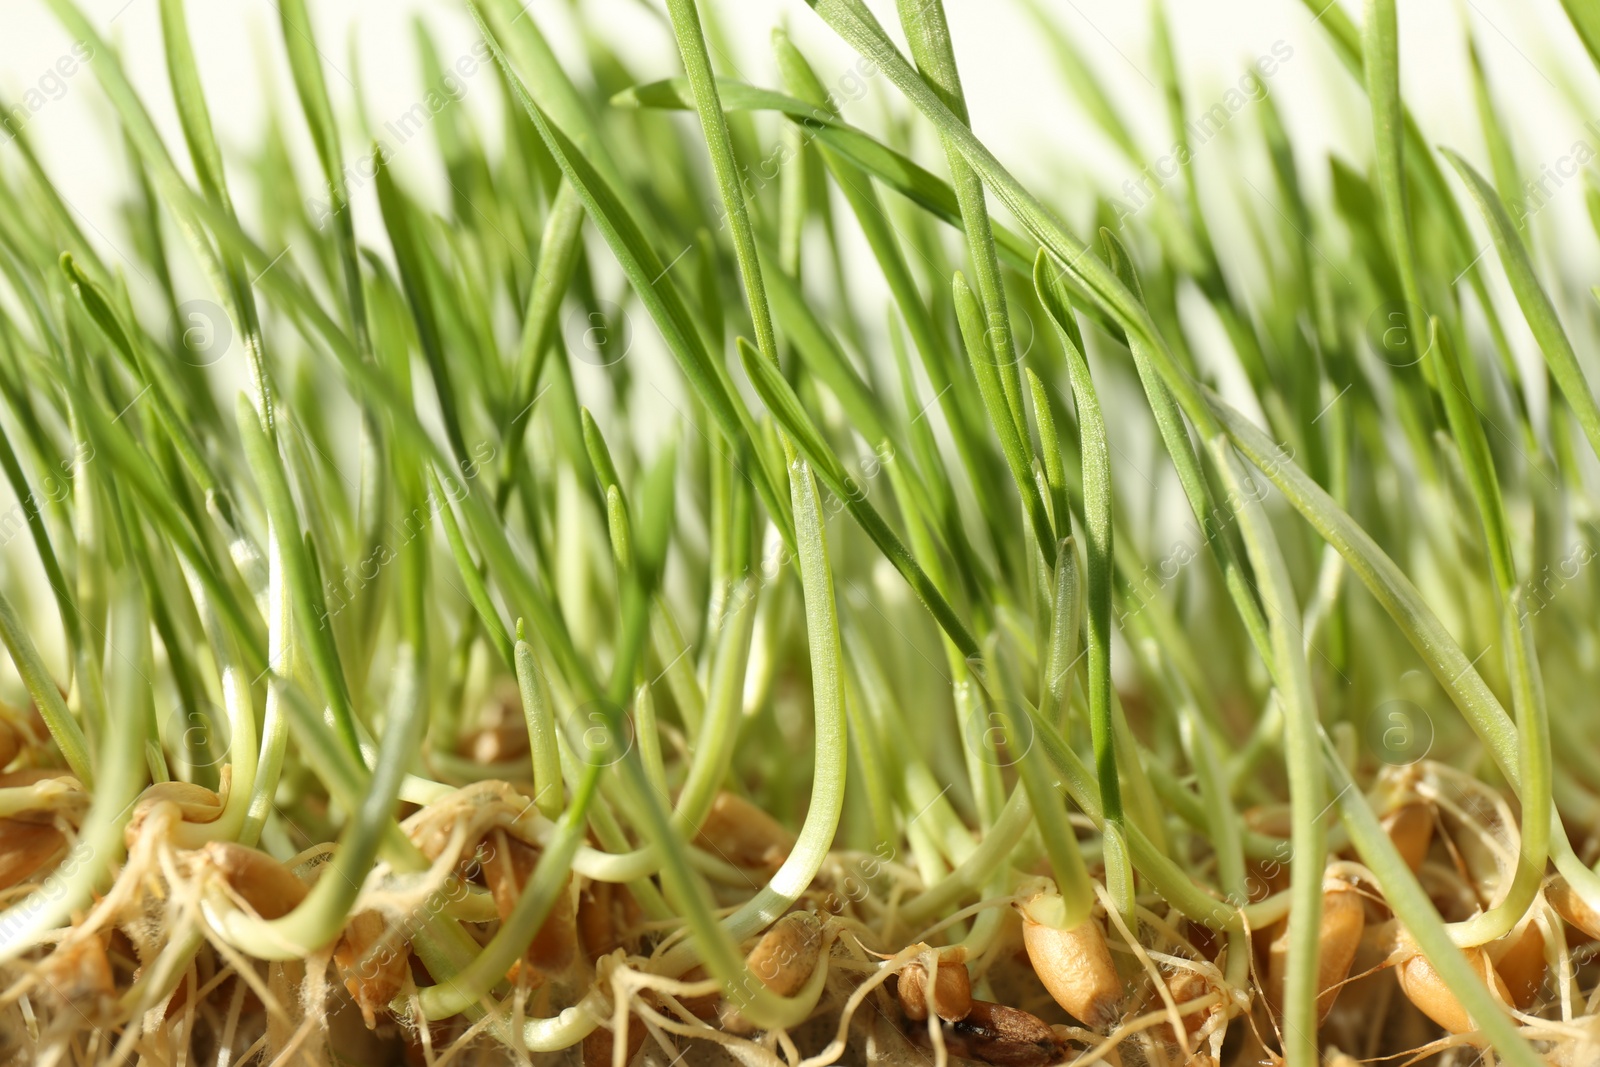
column 541, row 732
column 64, row 729
column 87, row 868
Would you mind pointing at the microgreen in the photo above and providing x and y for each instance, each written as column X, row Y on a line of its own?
column 598, row 602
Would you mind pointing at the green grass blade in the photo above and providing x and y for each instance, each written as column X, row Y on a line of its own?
column 267, row 466
column 654, row 286
column 477, row 591
column 1534, row 301
column 64, row 729
column 1015, row 444
column 929, row 35
column 1380, row 48
column 808, row 441
column 1586, row 20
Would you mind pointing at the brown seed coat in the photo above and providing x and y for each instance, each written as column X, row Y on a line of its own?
column 554, row 947
column 705, row 1005
column 500, row 733
column 1410, row 828
column 1424, row 988
column 597, row 1047
column 1183, row 987
column 743, row 834
column 1001, row 1036
column 1571, row 907
column 1339, row 935
column 269, row 887
column 375, row 968
column 787, row 953
column 596, row 922
column 25, row 847
column 1520, row 963
column 952, row 991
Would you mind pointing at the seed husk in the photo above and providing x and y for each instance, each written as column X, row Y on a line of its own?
column 783, row 959
column 1519, row 960
column 1410, row 827
column 952, row 991
column 25, row 847
column 270, row 888
column 554, row 947
column 63, row 798
column 598, row 1045
column 196, row 802
column 374, row 967
column 78, row 973
column 787, row 953
column 1339, row 935
column 1074, row 964
column 1475, row 841
column 1424, row 988
column 501, row 733
column 704, row 1006
column 1001, row 1036
column 1571, row 907
column 596, row 921
column 1268, row 876
column 193, row 803
column 1183, row 987
column 743, row 834
column 23, row 776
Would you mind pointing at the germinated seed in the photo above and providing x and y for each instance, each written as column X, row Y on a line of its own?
column 743, row 834
column 952, row 991
column 554, row 947
column 787, row 953
column 1339, row 936
column 259, row 880
column 1572, row 907
column 1424, row 988
column 1075, row 966
column 1410, row 827
column 1519, row 960
column 25, row 847
column 374, row 966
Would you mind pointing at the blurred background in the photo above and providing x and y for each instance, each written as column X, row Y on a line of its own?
column 1016, row 78
column 1020, row 104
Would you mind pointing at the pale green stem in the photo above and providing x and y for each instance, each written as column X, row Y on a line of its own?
column 1536, row 786
column 1411, row 905
column 977, row 868
column 274, row 724
column 541, row 734
column 321, row 917
column 87, row 868
column 828, row 779
column 467, row 986
column 64, row 729
column 241, row 738
column 1306, row 791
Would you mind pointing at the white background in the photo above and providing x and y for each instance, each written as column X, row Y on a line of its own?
column 1540, row 74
